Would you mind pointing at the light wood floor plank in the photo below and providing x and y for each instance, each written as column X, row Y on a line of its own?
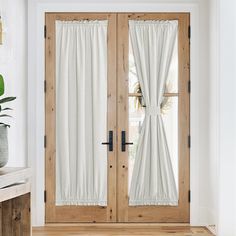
column 120, row 230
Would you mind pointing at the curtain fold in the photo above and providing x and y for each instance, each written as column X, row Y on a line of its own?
column 153, row 180
column 81, row 112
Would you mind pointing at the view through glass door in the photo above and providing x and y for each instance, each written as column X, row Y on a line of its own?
column 117, row 117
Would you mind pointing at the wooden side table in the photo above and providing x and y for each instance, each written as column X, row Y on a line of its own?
column 15, row 217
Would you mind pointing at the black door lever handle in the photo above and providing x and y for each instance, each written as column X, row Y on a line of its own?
column 123, row 141
column 110, row 143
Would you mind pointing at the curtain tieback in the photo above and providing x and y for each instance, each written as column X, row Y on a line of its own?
column 153, row 111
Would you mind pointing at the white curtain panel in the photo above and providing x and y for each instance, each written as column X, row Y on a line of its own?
column 81, row 112
column 153, row 180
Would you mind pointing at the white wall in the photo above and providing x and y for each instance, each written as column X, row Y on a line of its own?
column 222, row 174
column 212, row 161
column 13, row 66
column 227, row 119
column 203, row 115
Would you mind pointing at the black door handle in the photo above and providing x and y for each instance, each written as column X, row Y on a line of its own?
column 123, row 141
column 110, row 143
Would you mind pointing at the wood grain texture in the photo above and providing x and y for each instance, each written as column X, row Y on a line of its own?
column 78, row 213
column 11, row 175
column 26, row 215
column 111, row 116
column 121, row 229
column 16, row 219
column 118, row 209
column 181, row 212
column 16, row 215
column 122, row 114
column 50, row 126
column 7, row 227
column 14, row 191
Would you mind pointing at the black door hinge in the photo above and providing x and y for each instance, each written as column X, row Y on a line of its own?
column 189, row 195
column 45, row 196
column 189, row 32
column 189, row 86
column 45, row 31
column 45, row 141
column 189, row 141
column 45, row 86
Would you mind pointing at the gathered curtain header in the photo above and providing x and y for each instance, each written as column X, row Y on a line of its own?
column 83, row 22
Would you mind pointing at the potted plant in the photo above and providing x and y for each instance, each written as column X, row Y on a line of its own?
column 3, row 125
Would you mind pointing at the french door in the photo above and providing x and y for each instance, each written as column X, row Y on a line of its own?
column 57, row 211
column 118, row 157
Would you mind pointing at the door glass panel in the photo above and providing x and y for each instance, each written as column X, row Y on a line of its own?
column 169, row 117
column 81, row 112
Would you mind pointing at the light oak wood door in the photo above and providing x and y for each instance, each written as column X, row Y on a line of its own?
column 118, row 209
column 78, row 213
column 153, row 213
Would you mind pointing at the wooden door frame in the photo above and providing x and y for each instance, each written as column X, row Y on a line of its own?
column 181, row 213
column 118, row 169
column 78, row 213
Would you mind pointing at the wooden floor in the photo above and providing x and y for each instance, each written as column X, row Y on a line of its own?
column 121, row 230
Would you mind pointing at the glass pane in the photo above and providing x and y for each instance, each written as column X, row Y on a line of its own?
column 133, row 79
column 169, row 117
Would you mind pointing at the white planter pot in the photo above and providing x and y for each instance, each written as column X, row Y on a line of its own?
column 3, row 146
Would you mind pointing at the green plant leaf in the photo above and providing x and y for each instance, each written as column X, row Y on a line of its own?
column 5, row 109
column 1, row 85
column 8, row 99
column 5, row 115
column 5, row 124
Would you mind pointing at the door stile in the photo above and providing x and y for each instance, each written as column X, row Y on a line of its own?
column 50, row 126
column 111, row 98
column 122, row 109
